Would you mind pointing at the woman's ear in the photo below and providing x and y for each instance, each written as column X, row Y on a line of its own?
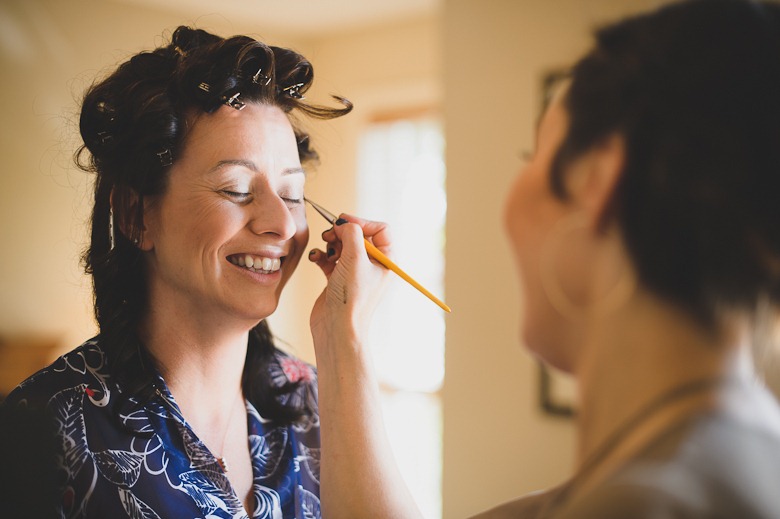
column 129, row 214
column 595, row 177
column 140, row 208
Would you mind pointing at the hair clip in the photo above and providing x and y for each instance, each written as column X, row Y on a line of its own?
column 205, row 87
column 260, row 76
column 166, row 157
column 104, row 108
column 233, row 101
column 104, row 137
column 294, row 91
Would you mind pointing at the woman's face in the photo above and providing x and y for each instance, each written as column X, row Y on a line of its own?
column 234, row 199
column 530, row 214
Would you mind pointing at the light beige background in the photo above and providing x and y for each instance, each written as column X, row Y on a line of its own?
column 478, row 61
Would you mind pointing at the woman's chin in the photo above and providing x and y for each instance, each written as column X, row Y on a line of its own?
column 254, row 315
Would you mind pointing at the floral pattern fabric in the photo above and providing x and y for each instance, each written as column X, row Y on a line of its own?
column 152, row 465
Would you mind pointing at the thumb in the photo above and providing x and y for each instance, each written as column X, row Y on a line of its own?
column 352, row 240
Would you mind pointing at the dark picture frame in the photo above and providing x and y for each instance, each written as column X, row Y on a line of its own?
column 557, row 392
column 557, row 395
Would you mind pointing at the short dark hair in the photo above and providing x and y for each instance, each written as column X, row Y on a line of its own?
column 694, row 89
column 134, row 124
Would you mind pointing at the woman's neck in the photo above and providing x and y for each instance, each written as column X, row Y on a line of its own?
column 643, row 370
column 202, row 364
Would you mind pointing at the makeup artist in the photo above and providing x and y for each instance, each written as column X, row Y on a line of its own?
column 646, row 229
column 182, row 406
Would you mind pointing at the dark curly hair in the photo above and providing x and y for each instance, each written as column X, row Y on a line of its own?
column 133, row 124
column 694, row 88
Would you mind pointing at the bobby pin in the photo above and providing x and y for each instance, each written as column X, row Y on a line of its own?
column 260, row 76
column 294, row 91
column 166, row 157
column 104, row 137
column 233, row 101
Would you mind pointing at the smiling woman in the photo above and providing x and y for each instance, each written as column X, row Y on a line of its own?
column 246, row 189
column 182, row 406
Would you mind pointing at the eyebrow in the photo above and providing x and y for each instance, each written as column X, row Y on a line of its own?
column 248, row 164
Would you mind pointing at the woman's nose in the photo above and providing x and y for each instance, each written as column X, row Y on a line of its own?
column 271, row 215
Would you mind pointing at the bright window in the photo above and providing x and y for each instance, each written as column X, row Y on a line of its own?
column 401, row 180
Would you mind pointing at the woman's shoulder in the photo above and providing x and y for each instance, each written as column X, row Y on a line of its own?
column 530, row 505
column 81, row 369
column 724, row 464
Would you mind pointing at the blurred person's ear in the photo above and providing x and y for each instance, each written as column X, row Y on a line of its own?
column 593, row 179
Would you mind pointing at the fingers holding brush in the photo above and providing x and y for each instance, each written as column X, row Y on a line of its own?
column 327, row 259
column 354, row 278
column 376, row 233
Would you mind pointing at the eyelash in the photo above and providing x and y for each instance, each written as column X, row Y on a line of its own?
column 243, row 197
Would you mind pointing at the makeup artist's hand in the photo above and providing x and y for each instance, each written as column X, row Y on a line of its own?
column 358, row 474
column 355, row 281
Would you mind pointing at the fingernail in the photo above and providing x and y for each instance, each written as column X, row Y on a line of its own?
column 331, row 251
column 311, row 252
column 341, row 221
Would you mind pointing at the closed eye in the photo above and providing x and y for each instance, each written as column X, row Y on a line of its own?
column 236, row 195
column 293, row 201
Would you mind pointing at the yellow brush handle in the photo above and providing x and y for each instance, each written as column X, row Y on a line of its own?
column 387, row 262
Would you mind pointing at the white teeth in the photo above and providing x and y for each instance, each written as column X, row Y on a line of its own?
column 257, row 264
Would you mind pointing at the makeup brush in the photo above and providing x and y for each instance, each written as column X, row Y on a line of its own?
column 382, row 259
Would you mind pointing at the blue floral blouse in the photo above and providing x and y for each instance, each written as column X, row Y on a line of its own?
column 156, row 467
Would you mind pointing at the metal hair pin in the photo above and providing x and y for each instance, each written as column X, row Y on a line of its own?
column 294, row 91
column 234, row 101
column 104, row 137
column 259, row 76
column 166, row 157
column 382, row 259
